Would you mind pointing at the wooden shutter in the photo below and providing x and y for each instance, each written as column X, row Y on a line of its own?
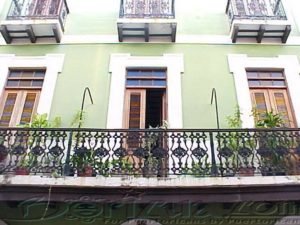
column 280, row 104
column 17, row 107
column 7, row 108
column 29, row 107
column 260, row 100
column 134, row 110
column 273, row 99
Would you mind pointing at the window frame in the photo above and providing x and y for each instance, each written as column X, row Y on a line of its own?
column 119, row 63
column 240, row 63
column 53, row 65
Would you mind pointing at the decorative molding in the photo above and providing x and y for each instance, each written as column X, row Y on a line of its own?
column 238, row 64
column 53, row 63
column 117, row 68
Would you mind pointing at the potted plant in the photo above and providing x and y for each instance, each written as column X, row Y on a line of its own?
column 24, row 166
column 82, row 161
column 271, row 149
column 154, row 162
column 237, row 149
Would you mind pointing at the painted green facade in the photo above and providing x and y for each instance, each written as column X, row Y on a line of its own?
column 206, row 66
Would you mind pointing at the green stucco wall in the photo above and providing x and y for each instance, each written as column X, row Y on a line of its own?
column 206, row 67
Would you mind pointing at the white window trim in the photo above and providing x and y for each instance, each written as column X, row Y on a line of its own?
column 53, row 63
column 238, row 63
column 117, row 68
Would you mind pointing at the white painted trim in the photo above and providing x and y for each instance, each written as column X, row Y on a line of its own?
column 117, row 68
column 152, row 182
column 180, row 39
column 238, row 64
column 53, row 64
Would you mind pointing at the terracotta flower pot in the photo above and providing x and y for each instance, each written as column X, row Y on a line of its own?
column 86, row 171
column 22, row 171
column 246, row 171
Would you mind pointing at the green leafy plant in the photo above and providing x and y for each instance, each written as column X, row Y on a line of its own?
column 82, row 160
column 272, row 148
column 151, row 141
column 78, row 119
column 42, row 121
column 233, row 144
column 269, row 120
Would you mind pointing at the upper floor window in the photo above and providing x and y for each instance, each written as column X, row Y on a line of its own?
column 20, row 98
column 146, row 78
column 145, row 98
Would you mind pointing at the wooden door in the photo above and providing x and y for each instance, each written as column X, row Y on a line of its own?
column 276, row 100
column 17, row 107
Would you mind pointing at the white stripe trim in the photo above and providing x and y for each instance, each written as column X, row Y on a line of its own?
column 180, row 39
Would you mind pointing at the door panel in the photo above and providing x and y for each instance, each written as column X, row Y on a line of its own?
column 134, row 110
column 18, row 107
column 275, row 100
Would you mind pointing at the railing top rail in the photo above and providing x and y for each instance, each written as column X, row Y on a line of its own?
column 153, row 130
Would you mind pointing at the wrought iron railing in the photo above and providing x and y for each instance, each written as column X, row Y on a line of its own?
column 150, row 152
column 255, row 10
column 38, row 9
column 147, row 9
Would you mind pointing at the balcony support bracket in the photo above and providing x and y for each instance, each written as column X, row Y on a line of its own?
column 286, row 34
column 173, row 35
column 146, row 32
column 120, row 32
column 30, row 34
column 235, row 33
column 261, row 33
column 5, row 34
column 57, row 36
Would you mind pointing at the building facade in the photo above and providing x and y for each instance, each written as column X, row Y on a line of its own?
column 149, row 112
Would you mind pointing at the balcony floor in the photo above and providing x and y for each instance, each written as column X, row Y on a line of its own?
column 260, row 30
column 217, row 189
column 31, row 30
column 147, row 30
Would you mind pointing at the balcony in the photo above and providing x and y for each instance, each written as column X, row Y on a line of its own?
column 149, row 166
column 258, row 20
column 147, row 20
column 150, row 152
column 35, row 20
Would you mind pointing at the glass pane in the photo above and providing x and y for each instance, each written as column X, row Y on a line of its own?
column 253, row 83
column 260, row 104
column 161, row 83
column 8, row 109
column 159, row 73
column 280, row 83
column 277, row 74
column 132, row 82
column 39, row 74
column 14, row 74
column 37, row 83
column 252, row 74
column 28, row 108
column 133, row 73
column 27, row 74
column 25, row 83
column 146, row 83
column 281, row 108
column 264, row 74
column 12, row 83
column 266, row 83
